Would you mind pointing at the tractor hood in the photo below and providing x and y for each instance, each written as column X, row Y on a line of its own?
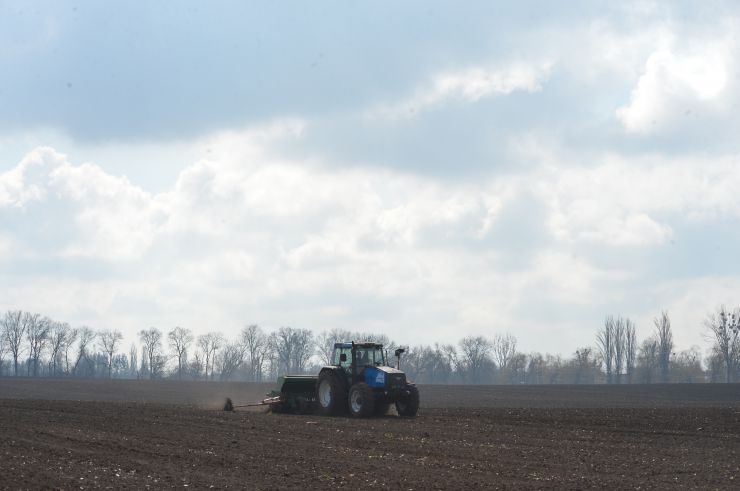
column 384, row 377
column 389, row 370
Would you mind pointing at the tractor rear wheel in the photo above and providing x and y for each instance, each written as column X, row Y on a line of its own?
column 408, row 405
column 330, row 395
column 361, row 400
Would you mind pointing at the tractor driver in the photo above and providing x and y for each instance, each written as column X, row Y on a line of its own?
column 361, row 358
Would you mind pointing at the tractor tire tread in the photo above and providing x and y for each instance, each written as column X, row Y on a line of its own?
column 365, row 394
column 408, row 406
column 338, row 402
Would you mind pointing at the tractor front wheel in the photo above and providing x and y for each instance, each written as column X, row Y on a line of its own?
column 408, row 405
column 361, row 400
column 330, row 395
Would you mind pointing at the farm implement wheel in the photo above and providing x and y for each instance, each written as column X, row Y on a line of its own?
column 330, row 395
column 361, row 400
column 408, row 405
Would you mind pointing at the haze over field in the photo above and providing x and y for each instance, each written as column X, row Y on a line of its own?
column 423, row 170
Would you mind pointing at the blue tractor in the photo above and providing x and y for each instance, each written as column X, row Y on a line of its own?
column 360, row 381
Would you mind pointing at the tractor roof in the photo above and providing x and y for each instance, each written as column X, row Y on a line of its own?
column 358, row 344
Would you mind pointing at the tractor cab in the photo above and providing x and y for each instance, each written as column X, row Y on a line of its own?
column 353, row 357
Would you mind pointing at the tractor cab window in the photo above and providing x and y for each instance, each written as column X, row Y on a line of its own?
column 370, row 356
column 337, row 359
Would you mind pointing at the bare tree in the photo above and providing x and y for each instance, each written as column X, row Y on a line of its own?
column 67, row 347
column 630, row 349
column 294, row 348
column 451, row 358
column 144, row 368
column 58, row 333
column 14, row 329
column 724, row 329
column 86, row 337
column 109, row 341
column 647, row 359
column 3, row 347
column 504, row 349
column 440, row 364
column 428, row 365
column 516, row 369
column 210, row 343
column 619, row 345
column 151, row 340
column 204, row 343
column 255, row 346
column 133, row 361
column 715, row 366
column 413, row 364
column 605, row 343
column 303, row 349
column 665, row 344
column 180, row 340
column 196, row 366
column 586, row 365
column 476, row 351
column 120, row 365
column 686, row 366
column 535, row 368
column 37, row 332
column 229, row 360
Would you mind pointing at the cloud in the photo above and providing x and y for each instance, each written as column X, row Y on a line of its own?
column 505, row 195
column 245, row 235
column 250, row 234
column 27, row 181
column 678, row 80
column 622, row 201
column 81, row 210
column 466, row 86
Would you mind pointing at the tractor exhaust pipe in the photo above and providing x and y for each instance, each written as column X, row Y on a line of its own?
column 399, row 352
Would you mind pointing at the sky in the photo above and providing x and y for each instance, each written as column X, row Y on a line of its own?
column 425, row 170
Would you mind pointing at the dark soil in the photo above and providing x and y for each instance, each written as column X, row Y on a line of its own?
column 497, row 437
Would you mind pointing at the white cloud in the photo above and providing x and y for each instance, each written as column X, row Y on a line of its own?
column 612, row 52
column 679, row 79
column 467, row 86
column 249, row 235
column 115, row 218
column 26, row 182
column 249, row 232
column 105, row 216
column 619, row 201
column 267, row 224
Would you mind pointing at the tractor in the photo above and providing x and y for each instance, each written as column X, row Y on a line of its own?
column 360, row 381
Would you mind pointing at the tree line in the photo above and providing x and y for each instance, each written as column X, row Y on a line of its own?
column 32, row 345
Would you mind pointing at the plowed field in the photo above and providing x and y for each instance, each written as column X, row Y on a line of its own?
column 91, row 434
